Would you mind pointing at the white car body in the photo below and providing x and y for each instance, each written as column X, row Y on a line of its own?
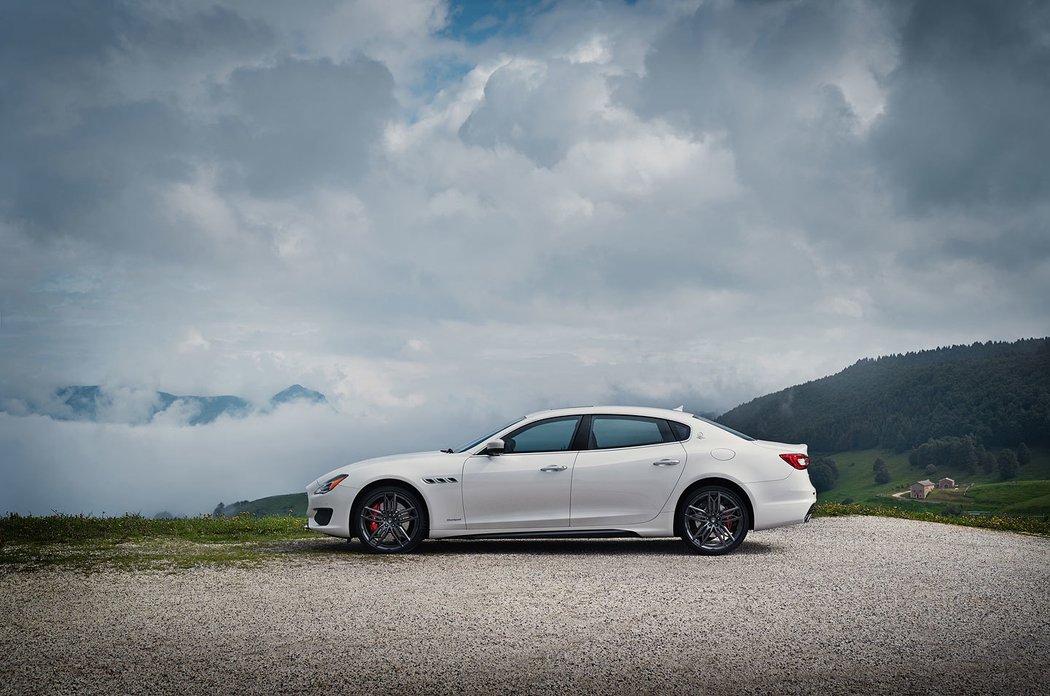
column 631, row 490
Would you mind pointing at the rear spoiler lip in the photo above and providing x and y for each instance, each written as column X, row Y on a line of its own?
column 784, row 447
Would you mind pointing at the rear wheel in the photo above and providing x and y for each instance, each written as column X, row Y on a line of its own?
column 714, row 520
column 390, row 519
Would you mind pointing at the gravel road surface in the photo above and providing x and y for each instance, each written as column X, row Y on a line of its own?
column 841, row 605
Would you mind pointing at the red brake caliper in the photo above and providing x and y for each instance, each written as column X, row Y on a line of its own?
column 373, row 526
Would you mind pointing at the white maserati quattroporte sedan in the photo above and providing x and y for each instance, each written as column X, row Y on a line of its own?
column 574, row 472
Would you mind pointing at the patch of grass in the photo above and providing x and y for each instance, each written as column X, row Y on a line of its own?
column 1032, row 506
column 1026, row 525
column 1007, row 498
column 1009, row 493
column 136, row 542
column 73, row 529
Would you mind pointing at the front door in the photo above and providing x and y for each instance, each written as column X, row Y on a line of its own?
column 526, row 487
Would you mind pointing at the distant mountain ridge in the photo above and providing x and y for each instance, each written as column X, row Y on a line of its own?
column 999, row 392
column 94, row 403
column 297, row 392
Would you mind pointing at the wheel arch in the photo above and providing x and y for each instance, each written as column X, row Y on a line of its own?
column 401, row 483
column 714, row 481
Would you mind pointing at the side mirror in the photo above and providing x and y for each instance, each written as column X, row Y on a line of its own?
column 493, row 448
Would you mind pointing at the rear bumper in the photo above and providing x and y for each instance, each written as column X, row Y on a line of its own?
column 781, row 503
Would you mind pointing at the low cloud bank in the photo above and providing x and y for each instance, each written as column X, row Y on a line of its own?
column 110, row 468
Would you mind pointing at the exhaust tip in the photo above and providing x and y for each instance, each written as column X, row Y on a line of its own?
column 809, row 514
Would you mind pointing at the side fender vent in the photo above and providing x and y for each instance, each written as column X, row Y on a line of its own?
column 440, row 479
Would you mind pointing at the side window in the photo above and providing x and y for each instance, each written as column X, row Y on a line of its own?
column 628, row 431
column 554, row 435
column 680, row 430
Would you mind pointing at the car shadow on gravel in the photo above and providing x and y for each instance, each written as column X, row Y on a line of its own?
column 549, row 547
column 330, row 546
column 574, row 547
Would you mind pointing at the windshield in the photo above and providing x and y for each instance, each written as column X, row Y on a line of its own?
column 725, row 428
column 477, row 442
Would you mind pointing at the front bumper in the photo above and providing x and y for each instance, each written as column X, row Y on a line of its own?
column 329, row 513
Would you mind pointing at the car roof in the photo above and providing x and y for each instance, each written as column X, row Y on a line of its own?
column 613, row 411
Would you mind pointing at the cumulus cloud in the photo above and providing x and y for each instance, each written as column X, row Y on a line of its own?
column 443, row 219
column 540, row 108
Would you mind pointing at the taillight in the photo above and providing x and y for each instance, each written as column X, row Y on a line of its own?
column 799, row 461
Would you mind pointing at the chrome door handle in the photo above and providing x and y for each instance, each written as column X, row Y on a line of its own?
column 666, row 462
column 553, row 467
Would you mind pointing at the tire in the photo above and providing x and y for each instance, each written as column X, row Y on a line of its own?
column 390, row 519
column 714, row 520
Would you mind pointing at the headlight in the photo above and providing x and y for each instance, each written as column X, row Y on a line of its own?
column 330, row 484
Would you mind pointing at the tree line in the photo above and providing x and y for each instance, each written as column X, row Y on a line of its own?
column 997, row 393
column 969, row 454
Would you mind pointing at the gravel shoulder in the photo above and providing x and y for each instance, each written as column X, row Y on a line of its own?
column 841, row 605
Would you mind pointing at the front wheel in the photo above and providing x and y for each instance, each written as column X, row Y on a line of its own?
column 714, row 520
column 390, row 519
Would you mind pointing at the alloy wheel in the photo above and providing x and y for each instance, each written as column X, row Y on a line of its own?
column 715, row 520
column 389, row 521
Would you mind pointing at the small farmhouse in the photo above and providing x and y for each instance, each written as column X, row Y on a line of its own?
column 946, row 483
column 920, row 489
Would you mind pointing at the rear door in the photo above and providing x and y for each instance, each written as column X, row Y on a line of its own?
column 627, row 472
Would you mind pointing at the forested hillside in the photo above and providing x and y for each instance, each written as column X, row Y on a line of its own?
column 997, row 392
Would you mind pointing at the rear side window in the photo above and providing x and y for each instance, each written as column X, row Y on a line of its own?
column 628, row 431
column 680, row 430
column 554, row 435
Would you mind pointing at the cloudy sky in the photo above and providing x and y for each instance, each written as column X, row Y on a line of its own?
column 445, row 214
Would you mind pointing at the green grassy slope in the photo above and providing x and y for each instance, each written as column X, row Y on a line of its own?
column 289, row 504
column 1010, row 497
column 1029, row 493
